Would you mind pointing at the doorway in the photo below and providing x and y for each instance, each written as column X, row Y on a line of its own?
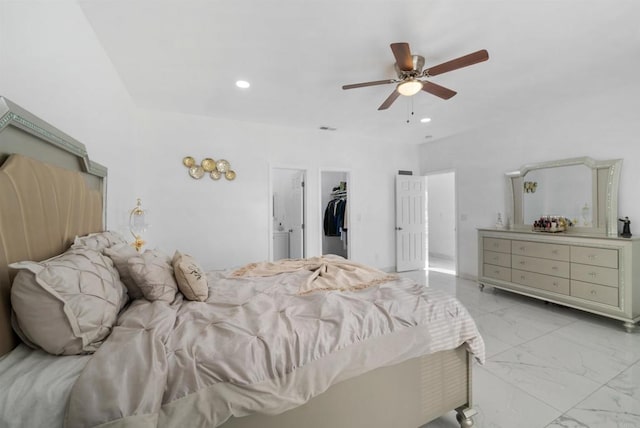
column 334, row 203
column 288, row 200
column 441, row 188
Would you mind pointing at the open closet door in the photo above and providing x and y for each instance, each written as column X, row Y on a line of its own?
column 335, row 212
column 411, row 223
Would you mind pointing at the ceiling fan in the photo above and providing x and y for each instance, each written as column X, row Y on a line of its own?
column 409, row 69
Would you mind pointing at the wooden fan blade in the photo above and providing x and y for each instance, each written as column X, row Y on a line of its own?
column 403, row 56
column 454, row 64
column 437, row 90
column 362, row 85
column 387, row 103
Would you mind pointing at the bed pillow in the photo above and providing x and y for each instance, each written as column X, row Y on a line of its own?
column 99, row 241
column 120, row 255
column 190, row 277
column 68, row 304
column 153, row 273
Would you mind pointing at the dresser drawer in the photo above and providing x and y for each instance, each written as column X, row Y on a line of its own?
column 498, row 245
column 544, row 266
column 595, row 256
column 497, row 272
column 595, row 293
column 542, row 250
column 543, row 282
column 498, row 259
column 595, row 274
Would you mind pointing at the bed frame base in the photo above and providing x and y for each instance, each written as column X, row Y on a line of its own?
column 406, row 395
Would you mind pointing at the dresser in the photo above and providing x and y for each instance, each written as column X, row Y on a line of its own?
column 597, row 274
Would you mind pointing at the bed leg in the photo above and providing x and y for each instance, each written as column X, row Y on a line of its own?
column 465, row 416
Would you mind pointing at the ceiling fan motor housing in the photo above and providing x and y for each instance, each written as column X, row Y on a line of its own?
column 418, row 64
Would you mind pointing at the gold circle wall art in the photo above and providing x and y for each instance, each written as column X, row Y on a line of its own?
column 188, row 161
column 208, row 164
column 215, row 168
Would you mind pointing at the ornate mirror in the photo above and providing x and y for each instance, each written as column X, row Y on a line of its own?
column 581, row 189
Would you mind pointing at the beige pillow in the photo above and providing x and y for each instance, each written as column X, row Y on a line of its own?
column 99, row 241
column 191, row 279
column 120, row 255
column 153, row 273
column 69, row 303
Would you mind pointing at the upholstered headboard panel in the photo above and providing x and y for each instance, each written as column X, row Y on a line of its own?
column 49, row 193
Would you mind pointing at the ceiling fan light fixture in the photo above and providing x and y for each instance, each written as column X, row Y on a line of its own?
column 410, row 87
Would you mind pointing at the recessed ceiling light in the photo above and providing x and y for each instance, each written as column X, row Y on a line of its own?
column 242, row 84
column 425, row 120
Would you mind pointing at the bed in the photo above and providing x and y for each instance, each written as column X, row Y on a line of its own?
column 53, row 193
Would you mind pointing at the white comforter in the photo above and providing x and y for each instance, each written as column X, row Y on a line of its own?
column 256, row 345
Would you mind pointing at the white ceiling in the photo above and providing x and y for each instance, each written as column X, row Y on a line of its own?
column 185, row 55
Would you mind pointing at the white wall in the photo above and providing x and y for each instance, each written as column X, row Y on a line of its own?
column 599, row 125
column 52, row 65
column 227, row 223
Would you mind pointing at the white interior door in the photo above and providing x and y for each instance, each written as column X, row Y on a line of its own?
column 411, row 223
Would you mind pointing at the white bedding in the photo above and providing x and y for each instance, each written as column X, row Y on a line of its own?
column 312, row 348
column 36, row 386
column 256, row 345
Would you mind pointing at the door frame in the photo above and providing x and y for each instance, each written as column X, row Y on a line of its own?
column 456, row 243
column 349, row 179
column 305, row 214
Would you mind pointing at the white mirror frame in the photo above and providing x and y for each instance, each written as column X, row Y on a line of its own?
column 606, row 179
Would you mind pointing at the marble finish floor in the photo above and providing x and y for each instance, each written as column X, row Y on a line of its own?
column 547, row 366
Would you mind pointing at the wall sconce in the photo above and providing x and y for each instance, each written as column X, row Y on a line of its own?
column 530, row 186
column 215, row 168
column 137, row 225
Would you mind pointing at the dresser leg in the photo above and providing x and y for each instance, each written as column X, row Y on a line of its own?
column 630, row 326
column 481, row 287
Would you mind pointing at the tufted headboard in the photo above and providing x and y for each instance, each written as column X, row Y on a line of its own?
column 49, row 192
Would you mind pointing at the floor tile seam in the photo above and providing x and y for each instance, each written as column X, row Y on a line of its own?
column 576, row 408
column 566, row 415
column 607, row 383
column 519, row 347
column 515, row 385
column 524, row 391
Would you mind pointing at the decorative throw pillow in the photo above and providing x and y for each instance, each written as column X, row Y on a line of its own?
column 67, row 304
column 99, row 241
column 120, row 255
column 191, row 279
column 153, row 273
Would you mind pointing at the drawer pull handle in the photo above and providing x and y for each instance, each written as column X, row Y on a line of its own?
column 554, row 267
column 591, row 256
column 521, row 276
column 522, row 262
column 554, row 252
column 555, row 284
column 593, row 274
column 593, row 292
column 522, row 248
